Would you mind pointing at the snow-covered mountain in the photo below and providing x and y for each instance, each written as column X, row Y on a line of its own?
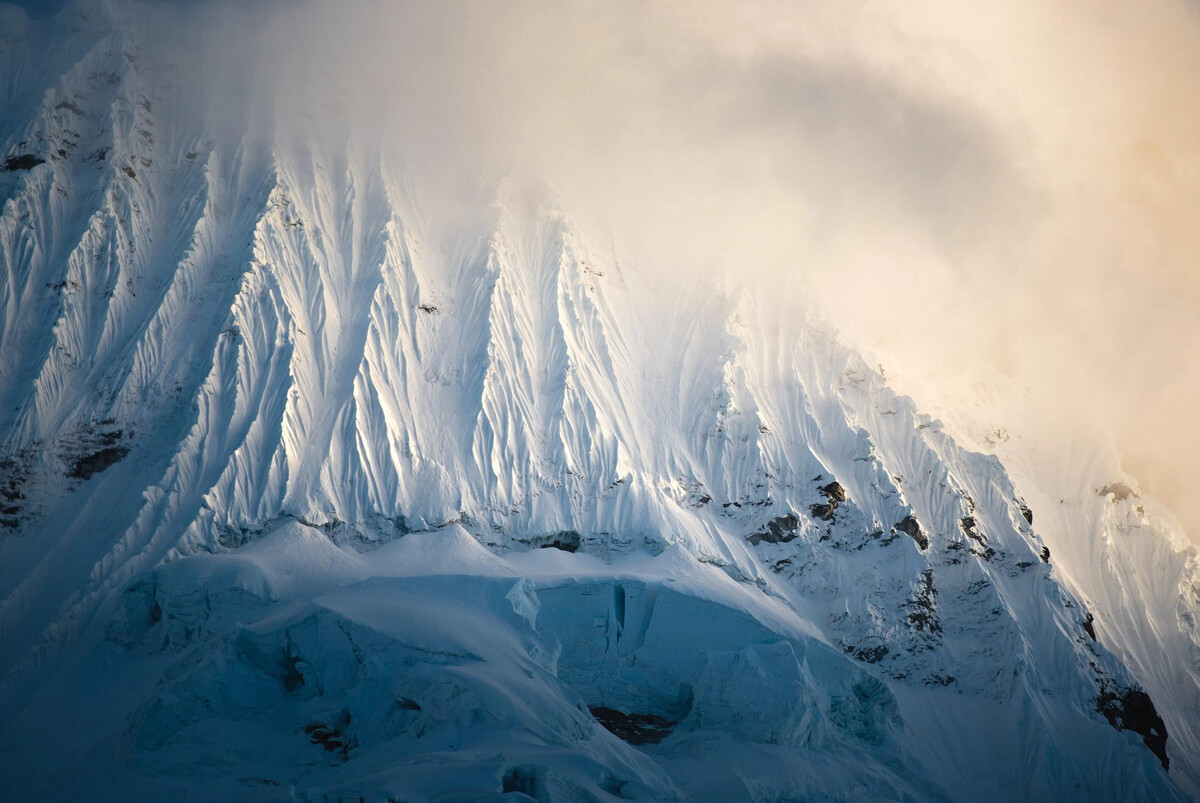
column 308, row 491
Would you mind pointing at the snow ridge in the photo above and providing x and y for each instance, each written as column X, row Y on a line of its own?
column 274, row 439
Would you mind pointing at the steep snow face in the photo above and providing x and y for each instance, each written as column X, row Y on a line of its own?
column 280, row 447
column 1132, row 567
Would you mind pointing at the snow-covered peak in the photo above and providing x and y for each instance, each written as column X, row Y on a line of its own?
column 329, row 489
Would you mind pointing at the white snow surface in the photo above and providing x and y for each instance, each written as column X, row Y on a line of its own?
column 306, row 493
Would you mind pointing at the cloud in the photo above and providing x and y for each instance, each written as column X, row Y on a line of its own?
column 973, row 191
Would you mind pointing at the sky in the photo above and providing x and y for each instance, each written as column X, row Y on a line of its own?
column 997, row 201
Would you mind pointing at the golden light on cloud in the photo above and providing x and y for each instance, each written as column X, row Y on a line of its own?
column 985, row 196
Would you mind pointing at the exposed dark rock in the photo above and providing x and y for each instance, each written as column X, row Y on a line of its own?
column 834, row 491
column 871, row 655
column 633, row 728
column 24, row 161
column 922, row 609
column 969, row 528
column 695, row 495
column 98, row 461
column 1027, row 513
column 428, row 309
column 912, row 528
column 987, row 554
column 1132, row 709
column 779, row 531
column 324, row 735
column 884, row 540
column 407, row 704
column 1118, row 490
column 566, row 540
column 1088, row 625
column 331, row 737
column 14, row 474
column 969, row 525
column 823, row 512
column 1045, row 554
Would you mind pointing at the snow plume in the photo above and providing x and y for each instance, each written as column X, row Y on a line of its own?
column 996, row 200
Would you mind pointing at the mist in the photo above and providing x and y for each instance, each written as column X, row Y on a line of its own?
column 995, row 201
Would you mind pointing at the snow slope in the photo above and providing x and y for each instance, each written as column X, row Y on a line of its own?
column 308, row 491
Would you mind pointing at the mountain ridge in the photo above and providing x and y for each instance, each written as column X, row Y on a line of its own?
column 254, row 392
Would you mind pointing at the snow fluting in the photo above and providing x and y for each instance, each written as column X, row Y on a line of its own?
column 307, row 493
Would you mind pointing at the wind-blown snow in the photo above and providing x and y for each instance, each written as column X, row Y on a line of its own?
column 278, row 450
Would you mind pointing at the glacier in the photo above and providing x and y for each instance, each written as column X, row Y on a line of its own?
column 310, row 490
